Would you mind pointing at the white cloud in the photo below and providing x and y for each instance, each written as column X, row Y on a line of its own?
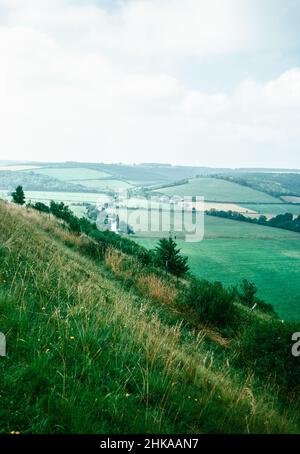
column 69, row 90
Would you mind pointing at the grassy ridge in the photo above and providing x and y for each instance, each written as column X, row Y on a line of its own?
column 88, row 355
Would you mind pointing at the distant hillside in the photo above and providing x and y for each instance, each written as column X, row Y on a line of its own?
column 32, row 181
column 275, row 184
column 218, row 190
column 101, row 344
column 153, row 173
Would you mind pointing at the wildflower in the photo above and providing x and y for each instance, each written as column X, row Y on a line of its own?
column 72, row 337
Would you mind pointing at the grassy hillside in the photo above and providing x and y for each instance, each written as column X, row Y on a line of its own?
column 70, row 174
column 218, row 191
column 105, row 184
column 147, row 174
column 276, row 184
column 32, row 181
column 99, row 345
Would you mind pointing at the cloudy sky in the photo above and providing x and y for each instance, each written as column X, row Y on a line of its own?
column 201, row 82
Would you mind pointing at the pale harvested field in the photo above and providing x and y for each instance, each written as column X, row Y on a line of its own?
column 292, row 199
column 205, row 206
column 16, row 168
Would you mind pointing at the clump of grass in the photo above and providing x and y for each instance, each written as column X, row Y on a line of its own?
column 156, row 288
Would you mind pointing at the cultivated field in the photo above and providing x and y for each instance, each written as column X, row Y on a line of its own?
column 291, row 199
column 17, row 168
column 232, row 251
column 71, row 174
column 214, row 190
column 113, row 185
column 273, row 210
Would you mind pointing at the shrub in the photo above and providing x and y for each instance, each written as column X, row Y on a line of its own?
column 156, row 288
column 39, row 206
column 247, row 293
column 247, row 297
column 62, row 211
column 213, row 303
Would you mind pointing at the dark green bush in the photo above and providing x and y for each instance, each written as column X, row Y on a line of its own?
column 39, row 206
column 212, row 302
column 247, row 296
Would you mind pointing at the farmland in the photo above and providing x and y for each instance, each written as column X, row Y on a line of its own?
column 273, row 209
column 214, row 190
column 232, row 251
column 104, row 184
column 71, row 174
column 279, row 184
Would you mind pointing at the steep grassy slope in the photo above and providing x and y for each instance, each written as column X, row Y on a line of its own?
column 86, row 354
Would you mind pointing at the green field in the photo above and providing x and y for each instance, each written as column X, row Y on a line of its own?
column 113, row 185
column 232, row 251
column 274, row 209
column 274, row 183
column 71, row 174
column 219, row 191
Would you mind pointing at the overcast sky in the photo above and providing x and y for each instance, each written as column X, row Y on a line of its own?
column 201, row 82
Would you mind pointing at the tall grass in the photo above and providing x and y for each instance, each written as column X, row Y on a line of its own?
column 87, row 356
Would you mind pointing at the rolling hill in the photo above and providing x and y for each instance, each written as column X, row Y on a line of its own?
column 217, row 190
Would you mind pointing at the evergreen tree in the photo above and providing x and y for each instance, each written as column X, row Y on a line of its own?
column 18, row 196
column 168, row 257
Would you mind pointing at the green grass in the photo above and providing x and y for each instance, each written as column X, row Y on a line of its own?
column 87, row 355
column 274, row 209
column 218, row 191
column 278, row 184
column 232, row 251
column 70, row 174
column 113, row 185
